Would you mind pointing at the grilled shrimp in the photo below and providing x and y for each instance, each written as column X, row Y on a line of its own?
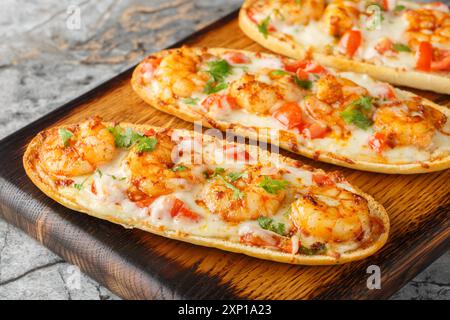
column 257, row 96
column 178, row 73
column 244, row 198
column 332, row 94
column 295, row 13
column 153, row 172
column 331, row 215
column 409, row 124
column 77, row 150
column 427, row 25
column 339, row 17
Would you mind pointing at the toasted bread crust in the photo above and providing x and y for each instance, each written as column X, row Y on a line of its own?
column 31, row 165
column 192, row 116
column 410, row 78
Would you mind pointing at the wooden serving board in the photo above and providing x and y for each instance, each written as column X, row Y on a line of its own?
column 135, row 264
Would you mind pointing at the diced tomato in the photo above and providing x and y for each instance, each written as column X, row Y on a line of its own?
column 221, row 101
column 322, row 180
column 93, row 188
column 314, row 67
column 384, row 45
column 148, row 68
column 424, row 56
column 237, row 58
column 301, row 74
column 377, row 142
column 350, row 42
column 383, row 90
column 308, row 66
column 145, row 202
column 289, row 115
column 385, row 5
column 294, row 66
column 442, row 63
column 149, row 133
column 233, row 153
column 251, row 15
column 317, row 130
column 181, row 209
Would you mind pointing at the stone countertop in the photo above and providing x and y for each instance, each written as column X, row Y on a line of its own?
column 47, row 57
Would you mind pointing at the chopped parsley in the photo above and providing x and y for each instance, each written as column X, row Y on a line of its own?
column 145, row 144
column 272, row 186
column 356, row 112
column 191, row 101
column 100, row 173
column 400, row 47
column 263, row 27
column 233, row 176
column 218, row 71
column 237, row 194
column 316, row 248
column 399, row 8
column 179, row 168
column 278, row 73
column 268, row 224
column 214, row 87
column 305, row 84
column 65, row 136
column 218, row 171
column 79, row 186
column 117, row 178
column 126, row 138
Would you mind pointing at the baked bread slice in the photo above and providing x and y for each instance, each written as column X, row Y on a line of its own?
column 342, row 118
column 401, row 42
column 174, row 183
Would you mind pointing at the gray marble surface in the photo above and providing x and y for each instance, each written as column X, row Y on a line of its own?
column 46, row 60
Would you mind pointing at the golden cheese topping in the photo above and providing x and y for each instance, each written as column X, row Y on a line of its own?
column 400, row 34
column 301, row 103
column 199, row 185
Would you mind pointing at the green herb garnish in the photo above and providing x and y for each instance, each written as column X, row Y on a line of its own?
column 277, row 73
column 356, row 117
column 233, row 176
column 218, row 71
column 399, row 7
column 65, row 136
column 214, row 87
column 124, row 138
column 78, row 186
column 179, row 168
column 191, row 101
column 305, row 84
column 117, row 178
column 272, row 186
column 354, row 112
column 100, row 173
column 400, row 47
column 237, row 194
column 263, row 27
column 316, row 248
column 269, row 224
column 145, row 144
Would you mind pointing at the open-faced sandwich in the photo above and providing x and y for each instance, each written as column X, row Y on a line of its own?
column 402, row 42
column 203, row 190
column 342, row 118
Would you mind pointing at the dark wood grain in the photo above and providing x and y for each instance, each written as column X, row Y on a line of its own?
column 138, row 265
